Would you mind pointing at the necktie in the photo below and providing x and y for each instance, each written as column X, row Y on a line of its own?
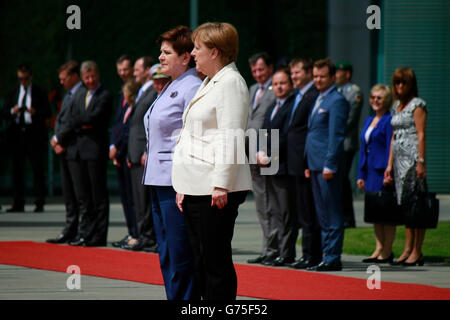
column 127, row 114
column 88, row 95
column 23, row 107
column 259, row 96
column 275, row 110
column 298, row 97
column 317, row 105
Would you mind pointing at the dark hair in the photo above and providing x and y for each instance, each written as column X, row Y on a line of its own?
column 147, row 61
column 125, row 57
column 180, row 39
column 285, row 71
column 326, row 63
column 307, row 63
column 260, row 55
column 71, row 67
column 409, row 77
column 25, row 68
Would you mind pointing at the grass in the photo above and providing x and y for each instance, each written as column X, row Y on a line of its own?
column 436, row 247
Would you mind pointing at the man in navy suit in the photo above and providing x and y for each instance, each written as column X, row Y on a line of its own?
column 118, row 150
column 325, row 157
column 297, row 127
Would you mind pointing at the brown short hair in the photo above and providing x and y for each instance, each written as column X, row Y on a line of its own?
column 285, row 71
column 125, row 57
column 307, row 63
column 71, row 67
column 220, row 35
column 180, row 39
column 409, row 77
column 326, row 63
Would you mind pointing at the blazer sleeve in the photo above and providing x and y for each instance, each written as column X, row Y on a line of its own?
column 231, row 113
column 337, row 127
column 362, row 167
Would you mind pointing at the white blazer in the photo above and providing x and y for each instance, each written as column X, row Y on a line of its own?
column 210, row 150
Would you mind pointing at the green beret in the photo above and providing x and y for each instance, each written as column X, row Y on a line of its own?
column 344, row 65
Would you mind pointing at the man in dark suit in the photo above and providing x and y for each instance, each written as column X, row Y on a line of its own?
column 325, row 157
column 296, row 129
column 283, row 224
column 26, row 109
column 137, row 143
column 118, row 150
column 87, row 157
column 69, row 76
column 261, row 98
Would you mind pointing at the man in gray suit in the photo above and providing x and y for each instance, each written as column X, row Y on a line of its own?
column 69, row 76
column 354, row 96
column 137, row 143
column 261, row 98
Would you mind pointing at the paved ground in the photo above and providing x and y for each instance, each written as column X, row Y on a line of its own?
column 29, row 284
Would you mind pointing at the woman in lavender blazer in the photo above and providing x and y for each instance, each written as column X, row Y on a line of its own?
column 162, row 122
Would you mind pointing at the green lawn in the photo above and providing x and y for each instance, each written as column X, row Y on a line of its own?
column 436, row 247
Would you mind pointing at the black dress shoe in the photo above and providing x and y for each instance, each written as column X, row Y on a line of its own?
column 62, row 238
column 256, row 260
column 327, row 266
column 16, row 209
column 304, row 263
column 418, row 262
column 389, row 259
column 79, row 242
column 138, row 246
column 280, row 262
column 122, row 242
column 39, row 208
column 370, row 260
column 152, row 249
column 268, row 260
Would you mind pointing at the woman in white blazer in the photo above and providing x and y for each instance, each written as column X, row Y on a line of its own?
column 210, row 172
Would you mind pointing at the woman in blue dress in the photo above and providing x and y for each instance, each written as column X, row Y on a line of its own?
column 373, row 160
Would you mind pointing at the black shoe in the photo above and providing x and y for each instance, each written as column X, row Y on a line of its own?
column 370, row 260
column 138, row 246
column 39, row 208
column 152, row 249
column 327, row 266
column 122, row 242
column 398, row 262
column 389, row 259
column 62, row 238
column 268, row 260
column 95, row 244
column 281, row 262
column 257, row 259
column 304, row 263
column 16, row 209
column 79, row 242
column 418, row 262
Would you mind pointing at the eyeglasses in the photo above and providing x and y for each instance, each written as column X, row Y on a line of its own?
column 376, row 97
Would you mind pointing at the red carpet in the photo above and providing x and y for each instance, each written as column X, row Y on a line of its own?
column 253, row 281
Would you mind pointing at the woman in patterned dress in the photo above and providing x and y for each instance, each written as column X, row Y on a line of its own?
column 407, row 156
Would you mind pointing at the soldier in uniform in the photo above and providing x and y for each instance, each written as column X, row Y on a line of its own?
column 354, row 96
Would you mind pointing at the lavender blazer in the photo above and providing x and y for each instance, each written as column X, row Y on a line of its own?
column 163, row 122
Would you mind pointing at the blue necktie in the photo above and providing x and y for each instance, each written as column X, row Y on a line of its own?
column 298, row 97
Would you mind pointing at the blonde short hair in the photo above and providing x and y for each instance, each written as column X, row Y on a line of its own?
column 387, row 100
column 220, row 35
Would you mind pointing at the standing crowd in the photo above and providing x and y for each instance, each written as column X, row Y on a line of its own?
column 180, row 199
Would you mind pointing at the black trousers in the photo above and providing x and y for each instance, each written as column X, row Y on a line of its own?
column 27, row 143
column 70, row 200
column 210, row 233
column 126, row 197
column 347, row 196
column 311, row 234
column 92, row 196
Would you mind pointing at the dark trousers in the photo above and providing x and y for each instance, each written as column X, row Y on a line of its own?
column 70, row 200
column 175, row 254
column 28, row 144
column 93, row 200
column 210, row 233
column 311, row 237
column 347, row 196
column 126, row 197
column 328, row 203
column 142, row 205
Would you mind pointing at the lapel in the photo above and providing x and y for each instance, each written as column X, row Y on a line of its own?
column 207, row 85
